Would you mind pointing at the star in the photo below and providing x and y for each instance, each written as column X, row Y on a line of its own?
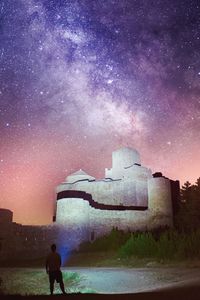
column 109, row 81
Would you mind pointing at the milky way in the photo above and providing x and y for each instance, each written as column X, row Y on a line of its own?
column 79, row 79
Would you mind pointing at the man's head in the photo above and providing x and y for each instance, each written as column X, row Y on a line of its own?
column 53, row 247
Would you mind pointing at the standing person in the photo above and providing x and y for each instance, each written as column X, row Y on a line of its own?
column 53, row 264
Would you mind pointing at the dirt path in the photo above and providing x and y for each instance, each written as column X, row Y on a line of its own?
column 125, row 280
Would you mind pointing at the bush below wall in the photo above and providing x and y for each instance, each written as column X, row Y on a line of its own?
column 171, row 245
column 163, row 244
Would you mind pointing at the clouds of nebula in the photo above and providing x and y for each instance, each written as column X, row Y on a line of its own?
column 79, row 79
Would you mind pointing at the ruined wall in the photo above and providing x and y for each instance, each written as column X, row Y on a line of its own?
column 5, row 232
column 19, row 242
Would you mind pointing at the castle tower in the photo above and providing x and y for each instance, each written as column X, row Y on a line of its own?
column 159, row 200
column 121, row 159
column 72, row 217
column 72, row 211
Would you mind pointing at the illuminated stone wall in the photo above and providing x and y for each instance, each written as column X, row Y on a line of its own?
column 100, row 221
column 129, row 184
column 127, row 192
column 72, row 211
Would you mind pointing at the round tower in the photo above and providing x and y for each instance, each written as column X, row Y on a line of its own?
column 72, row 211
column 122, row 159
column 159, row 200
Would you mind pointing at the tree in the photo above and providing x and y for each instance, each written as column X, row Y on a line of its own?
column 188, row 218
column 198, row 183
column 186, row 192
column 197, row 189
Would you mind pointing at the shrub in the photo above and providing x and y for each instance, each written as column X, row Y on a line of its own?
column 170, row 245
column 161, row 245
column 140, row 245
column 115, row 239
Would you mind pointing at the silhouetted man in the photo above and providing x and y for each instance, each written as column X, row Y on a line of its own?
column 53, row 264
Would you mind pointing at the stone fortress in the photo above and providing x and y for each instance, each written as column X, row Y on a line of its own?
column 129, row 198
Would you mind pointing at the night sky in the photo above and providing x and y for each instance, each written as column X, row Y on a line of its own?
column 81, row 78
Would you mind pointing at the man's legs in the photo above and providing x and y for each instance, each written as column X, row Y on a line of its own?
column 51, row 287
column 62, row 287
column 60, row 280
column 51, row 282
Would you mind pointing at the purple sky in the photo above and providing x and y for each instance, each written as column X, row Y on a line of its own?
column 81, row 78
